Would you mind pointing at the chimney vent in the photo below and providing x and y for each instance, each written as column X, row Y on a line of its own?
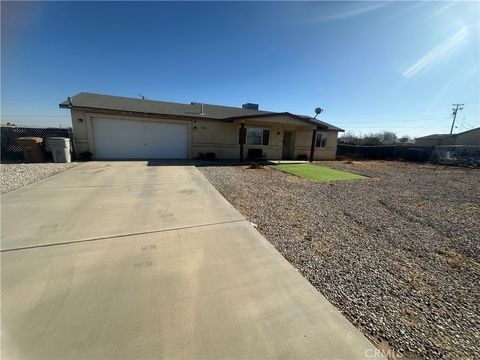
column 250, row 106
column 201, row 106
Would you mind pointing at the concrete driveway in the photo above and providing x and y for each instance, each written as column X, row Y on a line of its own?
column 122, row 260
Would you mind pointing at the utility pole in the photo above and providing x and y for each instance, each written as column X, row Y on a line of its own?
column 455, row 110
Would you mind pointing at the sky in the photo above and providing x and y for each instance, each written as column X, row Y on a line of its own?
column 372, row 66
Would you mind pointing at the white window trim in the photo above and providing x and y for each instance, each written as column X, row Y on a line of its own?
column 261, row 139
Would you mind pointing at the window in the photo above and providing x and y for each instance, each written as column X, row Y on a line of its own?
column 321, row 141
column 257, row 136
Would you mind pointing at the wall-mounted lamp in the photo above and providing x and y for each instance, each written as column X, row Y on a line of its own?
column 80, row 120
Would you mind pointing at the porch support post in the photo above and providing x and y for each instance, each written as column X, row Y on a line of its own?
column 312, row 149
column 242, row 139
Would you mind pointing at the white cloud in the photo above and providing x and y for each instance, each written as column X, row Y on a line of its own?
column 437, row 52
column 440, row 10
column 358, row 10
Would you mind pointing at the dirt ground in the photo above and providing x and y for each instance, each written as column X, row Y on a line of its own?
column 397, row 253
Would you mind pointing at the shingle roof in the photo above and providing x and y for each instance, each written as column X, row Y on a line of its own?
column 434, row 137
column 217, row 112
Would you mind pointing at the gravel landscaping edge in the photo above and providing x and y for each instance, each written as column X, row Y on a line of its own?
column 398, row 253
column 17, row 175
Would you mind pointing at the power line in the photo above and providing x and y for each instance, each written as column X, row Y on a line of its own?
column 400, row 122
column 463, row 124
column 405, row 128
column 397, row 124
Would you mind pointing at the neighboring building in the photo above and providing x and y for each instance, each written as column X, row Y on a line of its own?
column 435, row 139
column 112, row 127
column 469, row 137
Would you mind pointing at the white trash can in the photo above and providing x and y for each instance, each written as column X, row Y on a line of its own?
column 60, row 149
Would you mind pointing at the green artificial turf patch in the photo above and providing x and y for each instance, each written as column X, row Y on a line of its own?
column 317, row 173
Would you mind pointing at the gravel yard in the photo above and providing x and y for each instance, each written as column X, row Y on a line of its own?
column 397, row 253
column 15, row 175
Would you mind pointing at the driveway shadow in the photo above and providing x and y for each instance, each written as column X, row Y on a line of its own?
column 204, row 163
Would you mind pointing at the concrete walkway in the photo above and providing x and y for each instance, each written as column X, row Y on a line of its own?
column 121, row 260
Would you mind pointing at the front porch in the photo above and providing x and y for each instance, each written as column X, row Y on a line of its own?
column 276, row 141
column 263, row 138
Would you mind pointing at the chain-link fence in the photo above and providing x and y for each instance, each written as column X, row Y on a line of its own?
column 386, row 152
column 10, row 148
column 463, row 155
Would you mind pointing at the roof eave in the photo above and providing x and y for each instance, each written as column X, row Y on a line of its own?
column 239, row 117
column 333, row 128
column 64, row 105
column 324, row 126
column 320, row 125
column 309, row 120
column 131, row 112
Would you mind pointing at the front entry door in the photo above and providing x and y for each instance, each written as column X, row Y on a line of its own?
column 287, row 145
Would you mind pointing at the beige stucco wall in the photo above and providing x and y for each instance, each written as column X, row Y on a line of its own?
column 79, row 127
column 214, row 137
column 304, row 141
column 221, row 137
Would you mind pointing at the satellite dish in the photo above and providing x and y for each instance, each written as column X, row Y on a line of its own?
column 317, row 111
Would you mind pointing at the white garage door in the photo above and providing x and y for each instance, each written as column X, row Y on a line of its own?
column 125, row 139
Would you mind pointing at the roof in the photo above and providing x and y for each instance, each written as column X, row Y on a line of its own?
column 194, row 110
column 468, row 131
column 435, row 137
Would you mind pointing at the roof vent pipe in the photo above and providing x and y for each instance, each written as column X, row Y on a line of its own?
column 201, row 106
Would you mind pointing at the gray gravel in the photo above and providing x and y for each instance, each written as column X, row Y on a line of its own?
column 398, row 253
column 16, row 175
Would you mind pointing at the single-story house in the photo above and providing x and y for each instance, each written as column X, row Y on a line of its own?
column 434, row 140
column 113, row 127
column 469, row 137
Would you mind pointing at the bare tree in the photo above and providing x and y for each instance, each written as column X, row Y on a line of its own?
column 378, row 138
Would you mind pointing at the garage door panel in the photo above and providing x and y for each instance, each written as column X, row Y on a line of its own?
column 127, row 139
column 171, row 143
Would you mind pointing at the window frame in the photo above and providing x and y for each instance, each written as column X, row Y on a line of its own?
column 262, row 136
column 321, row 141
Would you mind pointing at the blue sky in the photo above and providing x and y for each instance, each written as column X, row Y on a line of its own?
column 372, row 66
